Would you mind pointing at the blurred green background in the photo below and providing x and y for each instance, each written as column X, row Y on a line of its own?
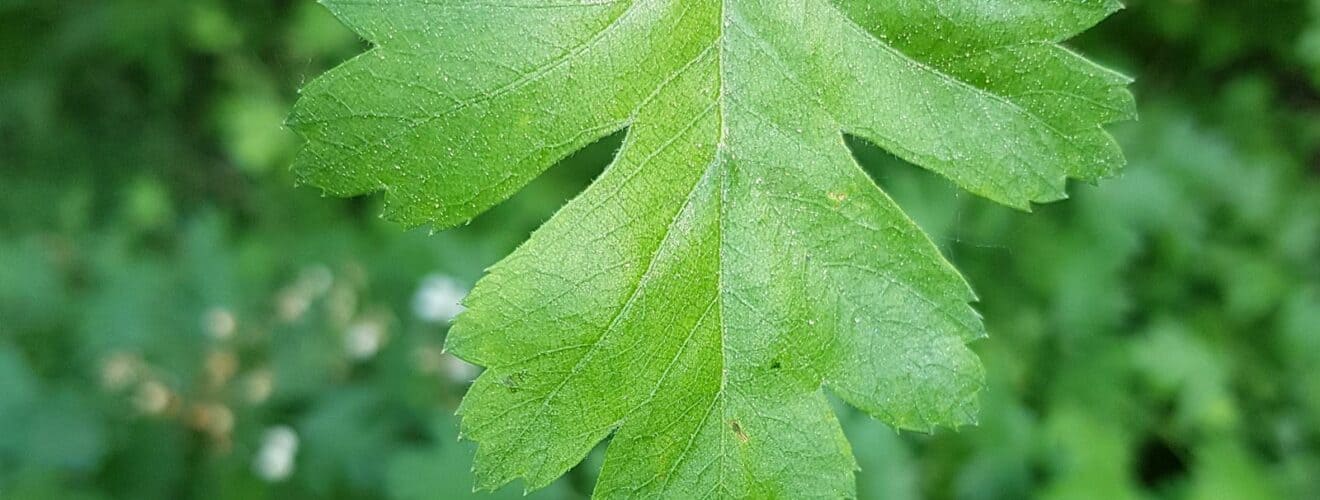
column 178, row 320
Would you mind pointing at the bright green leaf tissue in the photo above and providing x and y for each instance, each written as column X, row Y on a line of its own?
column 734, row 262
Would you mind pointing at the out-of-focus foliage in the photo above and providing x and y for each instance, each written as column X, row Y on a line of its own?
column 177, row 320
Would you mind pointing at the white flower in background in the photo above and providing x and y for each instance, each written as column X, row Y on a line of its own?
column 363, row 339
column 119, row 370
column 432, row 360
column 458, row 370
column 315, row 280
column 220, row 323
column 279, row 447
column 259, row 385
column 295, row 299
column 221, row 366
column 214, row 418
column 438, row 299
column 152, row 398
column 291, row 304
column 429, row 359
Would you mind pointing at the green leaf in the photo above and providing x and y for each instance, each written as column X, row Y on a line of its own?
column 734, row 260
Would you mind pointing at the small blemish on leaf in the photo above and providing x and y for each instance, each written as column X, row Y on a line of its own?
column 837, row 196
column 738, row 431
column 511, row 382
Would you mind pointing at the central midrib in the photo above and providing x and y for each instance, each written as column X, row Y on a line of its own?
column 721, row 146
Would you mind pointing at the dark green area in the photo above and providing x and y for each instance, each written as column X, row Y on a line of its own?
column 173, row 309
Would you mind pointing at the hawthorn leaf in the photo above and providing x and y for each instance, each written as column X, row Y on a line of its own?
column 734, row 262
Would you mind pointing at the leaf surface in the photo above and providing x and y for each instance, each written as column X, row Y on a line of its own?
column 734, row 262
